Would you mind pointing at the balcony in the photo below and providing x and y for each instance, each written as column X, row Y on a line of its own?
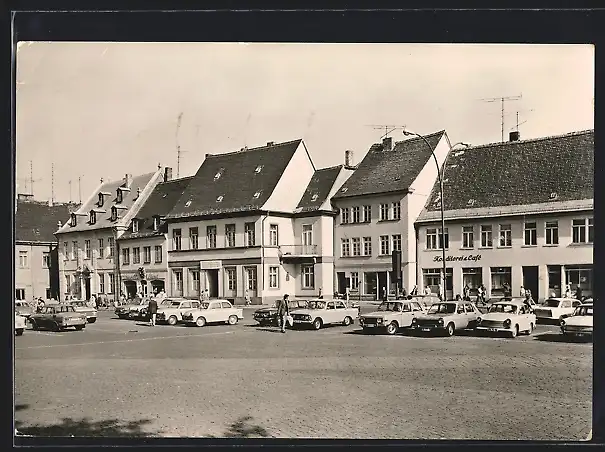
column 298, row 253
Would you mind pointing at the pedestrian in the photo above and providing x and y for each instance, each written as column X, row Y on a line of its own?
column 568, row 291
column 529, row 301
column 427, row 290
column 162, row 294
column 458, row 297
column 40, row 305
column 441, row 293
column 152, row 310
column 578, row 293
column 522, row 291
column 481, row 294
column 205, row 295
column 321, row 293
column 283, row 312
column 385, row 295
column 347, row 294
column 404, row 293
column 467, row 293
column 247, row 297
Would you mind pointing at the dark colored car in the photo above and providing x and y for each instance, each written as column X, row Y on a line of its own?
column 58, row 317
column 268, row 316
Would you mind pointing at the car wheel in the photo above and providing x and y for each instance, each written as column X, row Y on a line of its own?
column 531, row 329
column 200, row 321
column 34, row 325
column 347, row 321
column 93, row 320
column 172, row 320
column 450, row 329
column 79, row 327
column 317, row 323
column 515, row 332
column 55, row 327
column 232, row 320
column 392, row 328
column 19, row 332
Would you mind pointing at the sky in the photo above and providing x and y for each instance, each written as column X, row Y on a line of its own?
column 101, row 110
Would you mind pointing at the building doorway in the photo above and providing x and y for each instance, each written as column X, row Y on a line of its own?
column 131, row 289
column 212, row 279
column 382, row 285
column 87, row 288
column 371, row 284
column 250, row 281
column 341, row 281
column 157, row 286
column 554, row 281
column 530, row 281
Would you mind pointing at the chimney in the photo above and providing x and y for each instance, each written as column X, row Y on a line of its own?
column 387, row 143
column 167, row 174
column 514, row 136
column 59, row 224
column 348, row 159
column 101, row 180
column 50, row 202
column 159, row 166
column 270, row 143
column 138, row 192
column 127, row 180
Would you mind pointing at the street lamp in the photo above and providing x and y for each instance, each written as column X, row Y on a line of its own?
column 440, row 174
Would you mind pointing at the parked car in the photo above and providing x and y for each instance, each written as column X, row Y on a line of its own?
column 532, row 303
column 131, row 310
column 580, row 323
column 511, row 317
column 391, row 316
column 171, row 309
column 82, row 307
column 23, row 308
column 447, row 316
column 19, row 325
column 556, row 309
column 320, row 312
column 268, row 316
column 213, row 311
column 425, row 300
column 58, row 317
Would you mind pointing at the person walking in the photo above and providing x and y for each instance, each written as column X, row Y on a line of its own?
column 578, row 293
column 152, row 310
column 522, row 291
column 529, row 301
column 205, row 295
column 467, row 293
column 247, row 298
column 283, row 311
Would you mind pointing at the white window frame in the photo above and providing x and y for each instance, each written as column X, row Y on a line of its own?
column 344, row 215
column 487, row 236
column 505, row 238
column 231, row 276
column 160, row 254
column 432, row 239
column 23, row 259
column 367, row 213
column 75, row 250
column 111, row 244
column 87, row 249
column 273, row 277
column 584, row 230
column 355, row 246
column 211, row 232
column 230, row 235
column 385, row 244
column 250, row 232
column 367, row 246
column 195, row 282
column 136, row 255
column 102, row 283
column 308, row 277
column 397, row 210
column 177, row 239
column 67, row 284
column 101, row 248
column 251, row 282
column 354, row 280
column 345, row 247
column 355, row 214
column 384, row 212
column 178, row 283
column 125, row 256
column 66, row 251
column 531, row 236
column 551, row 232
column 45, row 259
column 194, row 238
column 396, row 242
column 273, row 234
column 468, row 237
column 112, row 283
column 147, row 254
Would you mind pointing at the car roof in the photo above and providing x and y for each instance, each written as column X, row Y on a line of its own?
column 562, row 299
column 587, row 304
column 511, row 301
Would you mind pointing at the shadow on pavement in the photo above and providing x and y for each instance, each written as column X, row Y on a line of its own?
column 85, row 427
column 558, row 337
column 21, row 406
column 244, row 428
column 270, row 330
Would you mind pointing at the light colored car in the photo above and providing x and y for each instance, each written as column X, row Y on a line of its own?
column 320, row 312
column 556, row 309
column 23, row 308
column 510, row 317
column 19, row 325
column 171, row 309
column 426, row 300
column 580, row 323
column 447, row 317
column 531, row 303
column 82, row 307
column 58, row 317
column 391, row 316
column 213, row 311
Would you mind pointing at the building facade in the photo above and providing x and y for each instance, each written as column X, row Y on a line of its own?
column 377, row 207
column 527, row 226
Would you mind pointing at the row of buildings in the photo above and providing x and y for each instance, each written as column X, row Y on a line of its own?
column 265, row 220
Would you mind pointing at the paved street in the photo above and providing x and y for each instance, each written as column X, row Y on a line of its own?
column 122, row 378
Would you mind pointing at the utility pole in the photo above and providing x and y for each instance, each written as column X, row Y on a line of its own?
column 52, row 182
column 70, row 191
column 178, row 147
column 387, row 128
column 30, row 179
column 502, row 100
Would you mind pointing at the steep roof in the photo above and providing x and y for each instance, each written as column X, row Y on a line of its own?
column 235, row 182
column 160, row 202
column 318, row 189
column 551, row 170
column 383, row 171
column 104, row 218
column 36, row 221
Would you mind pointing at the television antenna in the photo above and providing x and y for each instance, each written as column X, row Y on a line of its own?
column 388, row 128
column 502, row 100
column 520, row 123
column 30, row 179
column 178, row 146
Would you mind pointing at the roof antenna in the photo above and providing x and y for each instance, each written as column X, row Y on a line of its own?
column 502, row 100
column 388, row 129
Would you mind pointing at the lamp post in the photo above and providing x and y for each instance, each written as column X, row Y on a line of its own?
column 440, row 174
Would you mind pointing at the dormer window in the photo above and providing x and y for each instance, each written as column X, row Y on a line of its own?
column 119, row 196
column 73, row 221
column 257, row 195
column 188, row 203
column 135, row 225
column 101, row 200
column 219, row 199
column 93, row 217
column 258, row 169
column 470, row 202
column 553, row 196
column 156, row 223
column 437, row 200
column 219, row 173
column 344, row 189
column 314, row 198
column 114, row 213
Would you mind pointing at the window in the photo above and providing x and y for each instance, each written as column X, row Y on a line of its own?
column 444, row 237
column 93, row 217
column 231, row 278
column 158, row 254
column 551, row 232
column 397, row 210
column 178, row 283
column 68, row 284
column 66, row 250
column 501, row 276
column 308, row 277
column 146, row 254
column 119, row 196
column 273, row 235
column 384, row 212
column 101, row 282
column 397, row 242
column 367, row 246
column 135, row 225
column 101, row 249
column 86, row 249
column 110, row 242
column 345, row 248
column 505, row 235
column 229, row 235
column 249, row 232
column 579, row 228
column 354, row 281
column 74, row 249
column 126, row 256
column 580, row 276
column 114, row 214
column 112, row 283
column 195, row 282
column 22, row 259
column 176, row 239
column 136, row 255
column 193, row 238
column 590, row 230
column 431, row 239
column 273, row 277
column 72, row 220
column 384, row 245
column 20, row 294
column 251, row 278
column 486, row 236
column 45, row 260
column 367, row 214
column 344, row 215
column 531, row 234
column 156, row 223
column 356, row 245
column 468, row 240
column 211, row 236
column 355, row 213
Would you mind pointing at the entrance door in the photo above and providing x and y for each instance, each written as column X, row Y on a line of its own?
column 382, row 284
column 131, row 289
column 157, row 286
column 307, row 238
column 212, row 283
column 530, row 281
column 250, row 275
column 87, row 288
column 342, row 282
column 144, row 288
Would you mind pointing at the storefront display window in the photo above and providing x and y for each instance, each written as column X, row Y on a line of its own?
column 579, row 276
column 501, row 276
column 472, row 277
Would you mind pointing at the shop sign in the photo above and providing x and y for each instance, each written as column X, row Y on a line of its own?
column 468, row 257
column 210, row 265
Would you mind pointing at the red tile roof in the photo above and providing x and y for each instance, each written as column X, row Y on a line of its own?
column 235, row 182
column 318, row 189
column 36, row 221
column 383, row 171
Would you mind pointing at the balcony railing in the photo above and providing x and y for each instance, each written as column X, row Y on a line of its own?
column 298, row 250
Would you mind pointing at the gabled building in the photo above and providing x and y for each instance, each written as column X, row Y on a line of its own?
column 143, row 246
column 88, row 253
column 255, row 220
column 377, row 207
column 36, row 259
column 518, row 213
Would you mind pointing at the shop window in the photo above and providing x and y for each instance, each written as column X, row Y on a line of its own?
column 579, row 276
column 20, row 294
column 354, row 280
column 473, row 278
column 501, row 277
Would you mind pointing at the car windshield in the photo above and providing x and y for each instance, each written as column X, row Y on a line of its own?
column 390, row 306
column 552, row 303
column 442, row 308
column 175, row 304
column 506, row 308
column 297, row 304
column 583, row 310
column 317, row 304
